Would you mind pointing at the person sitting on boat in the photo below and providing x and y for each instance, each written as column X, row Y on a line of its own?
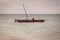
column 33, row 19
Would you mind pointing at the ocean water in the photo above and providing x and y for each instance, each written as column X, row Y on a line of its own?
column 48, row 30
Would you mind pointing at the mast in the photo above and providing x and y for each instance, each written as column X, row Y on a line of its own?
column 25, row 11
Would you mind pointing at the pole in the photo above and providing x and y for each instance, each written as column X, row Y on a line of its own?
column 25, row 11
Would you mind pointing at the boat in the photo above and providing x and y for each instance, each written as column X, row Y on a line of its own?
column 27, row 20
column 41, row 20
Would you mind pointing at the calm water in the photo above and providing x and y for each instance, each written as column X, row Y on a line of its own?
column 49, row 30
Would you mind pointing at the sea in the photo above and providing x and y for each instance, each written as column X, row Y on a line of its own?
column 47, row 30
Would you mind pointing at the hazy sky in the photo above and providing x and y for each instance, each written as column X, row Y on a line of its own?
column 32, row 6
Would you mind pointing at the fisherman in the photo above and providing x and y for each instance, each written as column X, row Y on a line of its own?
column 33, row 19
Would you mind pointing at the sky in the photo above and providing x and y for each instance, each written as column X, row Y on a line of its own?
column 31, row 6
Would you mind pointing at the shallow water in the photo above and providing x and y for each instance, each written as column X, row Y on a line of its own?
column 48, row 30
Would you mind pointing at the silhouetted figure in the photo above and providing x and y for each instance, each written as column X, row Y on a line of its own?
column 33, row 19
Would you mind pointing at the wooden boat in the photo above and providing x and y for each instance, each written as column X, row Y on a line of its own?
column 27, row 20
column 17, row 20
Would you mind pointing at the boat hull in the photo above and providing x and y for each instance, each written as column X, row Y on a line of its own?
column 16, row 20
